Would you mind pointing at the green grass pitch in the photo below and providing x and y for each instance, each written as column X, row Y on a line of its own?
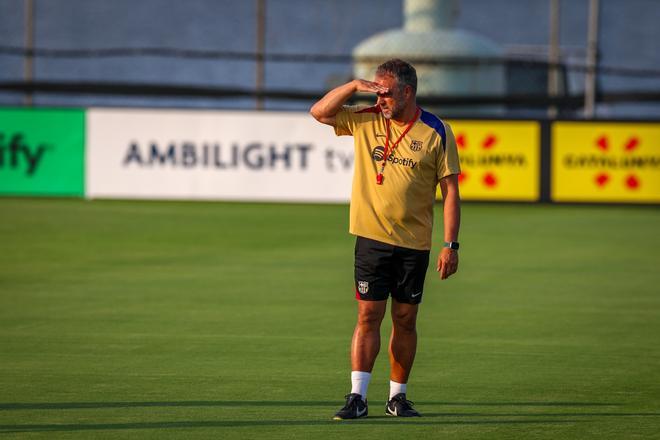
column 158, row 320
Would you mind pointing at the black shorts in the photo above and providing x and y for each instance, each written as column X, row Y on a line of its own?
column 382, row 269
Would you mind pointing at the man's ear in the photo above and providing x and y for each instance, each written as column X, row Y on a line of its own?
column 408, row 91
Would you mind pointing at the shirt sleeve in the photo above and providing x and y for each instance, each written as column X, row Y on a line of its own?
column 346, row 120
column 448, row 162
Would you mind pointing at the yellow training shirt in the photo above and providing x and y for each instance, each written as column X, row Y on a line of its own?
column 400, row 211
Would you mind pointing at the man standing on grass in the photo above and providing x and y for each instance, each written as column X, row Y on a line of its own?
column 402, row 152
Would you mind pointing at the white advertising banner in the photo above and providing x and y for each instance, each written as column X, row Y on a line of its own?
column 217, row 155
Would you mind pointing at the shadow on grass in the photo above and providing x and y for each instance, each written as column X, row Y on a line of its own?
column 523, row 417
column 266, row 403
column 7, row 429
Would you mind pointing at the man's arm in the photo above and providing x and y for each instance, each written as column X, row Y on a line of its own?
column 451, row 200
column 327, row 107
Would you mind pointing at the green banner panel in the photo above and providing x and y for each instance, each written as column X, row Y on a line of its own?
column 42, row 152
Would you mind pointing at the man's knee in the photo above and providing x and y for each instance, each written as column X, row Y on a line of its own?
column 370, row 317
column 405, row 318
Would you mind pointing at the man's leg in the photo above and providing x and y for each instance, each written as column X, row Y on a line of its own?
column 364, row 349
column 403, row 345
column 373, row 284
column 366, row 337
column 403, row 341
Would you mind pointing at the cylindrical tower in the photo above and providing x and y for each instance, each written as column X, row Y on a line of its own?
column 429, row 32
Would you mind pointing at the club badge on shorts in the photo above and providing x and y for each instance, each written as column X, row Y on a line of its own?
column 363, row 287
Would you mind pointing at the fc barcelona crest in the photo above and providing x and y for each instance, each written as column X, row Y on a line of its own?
column 416, row 145
column 363, row 287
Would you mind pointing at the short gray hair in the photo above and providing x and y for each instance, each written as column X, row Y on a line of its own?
column 404, row 72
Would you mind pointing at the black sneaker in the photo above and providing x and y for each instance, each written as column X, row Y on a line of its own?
column 398, row 406
column 354, row 409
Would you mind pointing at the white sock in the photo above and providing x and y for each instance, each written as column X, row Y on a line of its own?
column 396, row 388
column 360, row 382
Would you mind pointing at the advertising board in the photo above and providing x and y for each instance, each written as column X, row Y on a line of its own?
column 42, row 152
column 222, row 155
column 605, row 162
column 500, row 160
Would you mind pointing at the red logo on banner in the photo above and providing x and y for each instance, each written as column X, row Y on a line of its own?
column 488, row 179
column 602, row 179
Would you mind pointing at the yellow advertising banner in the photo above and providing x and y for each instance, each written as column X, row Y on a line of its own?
column 605, row 162
column 500, row 160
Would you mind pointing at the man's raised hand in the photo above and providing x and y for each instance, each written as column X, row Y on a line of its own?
column 326, row 108
column 364, row 86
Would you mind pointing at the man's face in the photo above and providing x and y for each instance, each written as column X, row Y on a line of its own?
column 393, row 102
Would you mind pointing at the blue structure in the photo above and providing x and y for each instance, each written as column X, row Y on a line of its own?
column 628, row 38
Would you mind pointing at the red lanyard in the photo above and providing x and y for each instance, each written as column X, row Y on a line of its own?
column 388, row 150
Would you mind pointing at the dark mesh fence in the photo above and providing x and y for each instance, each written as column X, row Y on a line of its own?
column 274, row 55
